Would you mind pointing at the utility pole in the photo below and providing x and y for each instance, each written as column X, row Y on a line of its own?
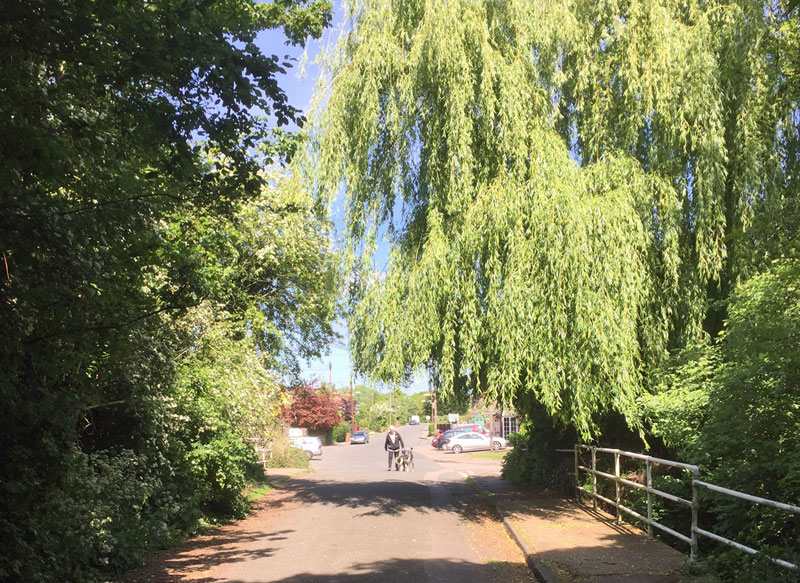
column 352, row 408
column 432, row 389
column 434, row 410
column 490, row 414
column 330, row 375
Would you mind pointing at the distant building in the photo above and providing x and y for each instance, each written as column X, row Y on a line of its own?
column 504, row 422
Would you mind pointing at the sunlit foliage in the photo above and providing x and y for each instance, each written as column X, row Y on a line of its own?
column 155, row 279
column 570, row 189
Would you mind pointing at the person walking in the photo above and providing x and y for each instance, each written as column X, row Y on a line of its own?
column 393, row 444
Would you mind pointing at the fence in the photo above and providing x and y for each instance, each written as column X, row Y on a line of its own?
column 692, row 504
column 263, row 449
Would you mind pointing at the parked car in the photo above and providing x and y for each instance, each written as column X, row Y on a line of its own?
column 460, row 429
column 471, row 427
column 311, row 445
column 359, row 437
column 472, row 441
column 438, row 441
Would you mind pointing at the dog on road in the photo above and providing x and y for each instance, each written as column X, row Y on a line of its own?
column 405, row 461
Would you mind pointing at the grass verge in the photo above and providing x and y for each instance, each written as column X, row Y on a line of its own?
column 490, row 455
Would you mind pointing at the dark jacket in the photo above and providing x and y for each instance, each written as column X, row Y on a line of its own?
column 397, row 444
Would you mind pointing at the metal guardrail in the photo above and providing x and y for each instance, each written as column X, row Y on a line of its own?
column 693, row 504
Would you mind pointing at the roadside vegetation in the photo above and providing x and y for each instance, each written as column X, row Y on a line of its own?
column 161, row 273
column 377, row 409
column 591, row 211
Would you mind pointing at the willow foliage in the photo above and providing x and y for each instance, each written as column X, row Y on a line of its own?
column 561, row 184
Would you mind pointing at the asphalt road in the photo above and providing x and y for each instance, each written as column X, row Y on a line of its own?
column 353, row 521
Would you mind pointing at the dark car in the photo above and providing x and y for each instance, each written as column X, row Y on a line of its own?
column 359, row 437
column 437, row 442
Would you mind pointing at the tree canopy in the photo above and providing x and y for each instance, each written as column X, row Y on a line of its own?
column 160, row 272
column 570, row 189
column 312, row 408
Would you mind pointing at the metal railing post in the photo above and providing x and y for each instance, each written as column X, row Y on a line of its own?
column 649, row 499
column 594, row 477
column 695, row 512
column 617, row 476
column 693, row 504
column 577, row 477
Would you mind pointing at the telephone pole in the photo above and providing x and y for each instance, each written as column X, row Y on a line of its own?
column 352, row 408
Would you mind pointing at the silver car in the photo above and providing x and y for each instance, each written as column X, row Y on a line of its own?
column 472, row 441
column 311, row 445
column 360, row 436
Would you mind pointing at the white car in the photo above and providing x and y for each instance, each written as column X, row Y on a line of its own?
column 472, row 441
column 311, row 445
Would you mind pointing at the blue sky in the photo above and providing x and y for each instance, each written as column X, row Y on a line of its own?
column 299, row 90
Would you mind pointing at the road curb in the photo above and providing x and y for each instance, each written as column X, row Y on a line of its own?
column 542, row 572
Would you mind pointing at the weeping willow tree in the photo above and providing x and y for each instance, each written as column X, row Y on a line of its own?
column 569, row 188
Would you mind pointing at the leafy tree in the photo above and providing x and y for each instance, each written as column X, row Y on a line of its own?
column 312, row 408
column 570, row 191
column 748, row 381
column 137, row 265
column 757, row 390
column 494, row 273
column 371, row 407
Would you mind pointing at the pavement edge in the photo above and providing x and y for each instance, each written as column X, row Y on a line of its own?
column 542, row 572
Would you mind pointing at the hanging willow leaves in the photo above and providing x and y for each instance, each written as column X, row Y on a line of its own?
column 561, row 184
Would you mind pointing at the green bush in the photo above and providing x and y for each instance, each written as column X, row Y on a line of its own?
column 287, row 456
column 534, row 460
column 340, row 431
column 220, row 471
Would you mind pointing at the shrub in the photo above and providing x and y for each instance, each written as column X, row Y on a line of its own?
column 534, row 460
column 340, row 431
column 287, row 456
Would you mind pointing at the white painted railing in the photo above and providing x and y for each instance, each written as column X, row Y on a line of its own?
column 263, row 449
column 692, row 504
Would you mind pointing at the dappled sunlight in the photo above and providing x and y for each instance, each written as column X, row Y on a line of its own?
column 191, row 560
column 401, row 570
column 391, row 497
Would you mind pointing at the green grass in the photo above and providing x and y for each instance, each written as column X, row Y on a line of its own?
column 491, row 455
column 255, row 490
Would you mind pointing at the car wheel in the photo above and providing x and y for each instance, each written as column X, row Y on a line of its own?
column 310, row 455
column 457, row 449
column 497, row 446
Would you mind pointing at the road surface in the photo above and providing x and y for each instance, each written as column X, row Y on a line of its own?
column 353, row 521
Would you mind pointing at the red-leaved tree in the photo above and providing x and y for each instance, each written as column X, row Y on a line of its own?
column 311, row 408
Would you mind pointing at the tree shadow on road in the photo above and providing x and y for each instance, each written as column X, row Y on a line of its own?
column 392, row 497
column 195, row 560
column 403, row 570
column 189, row 560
